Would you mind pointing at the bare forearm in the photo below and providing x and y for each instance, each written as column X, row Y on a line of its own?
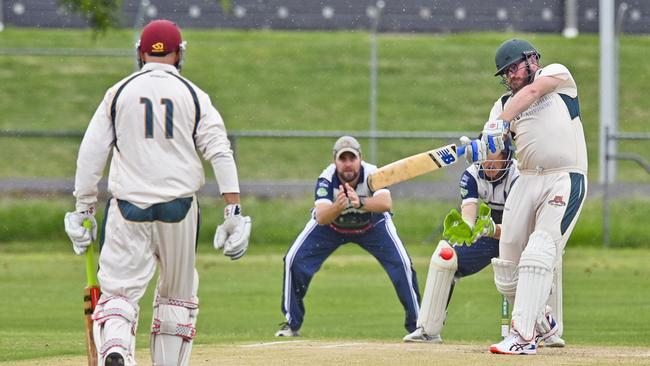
column 378, row 203
column 326, row 214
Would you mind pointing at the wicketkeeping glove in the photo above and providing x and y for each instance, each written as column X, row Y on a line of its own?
column 493, row 134
column 456, row 230
column 233, row 234
column 485, row 226
column 80, row 235
column 475, row 150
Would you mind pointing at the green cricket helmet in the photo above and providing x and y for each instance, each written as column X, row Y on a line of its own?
column 513, row 51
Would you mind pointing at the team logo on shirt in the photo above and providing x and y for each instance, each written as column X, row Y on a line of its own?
column 321, row 192
column 463, row 192
column 557, row 201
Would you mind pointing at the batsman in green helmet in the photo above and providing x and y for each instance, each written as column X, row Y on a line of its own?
column 540, row 116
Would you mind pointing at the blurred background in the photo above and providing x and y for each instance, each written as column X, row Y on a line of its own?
column 291, row 76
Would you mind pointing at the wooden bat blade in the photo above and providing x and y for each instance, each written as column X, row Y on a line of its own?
column 91, row 296
column 412, row 166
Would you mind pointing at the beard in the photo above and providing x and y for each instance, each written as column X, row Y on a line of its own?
column 348, row 176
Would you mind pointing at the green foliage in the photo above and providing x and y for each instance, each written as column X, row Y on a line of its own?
column 101, row 14
column 277, row 221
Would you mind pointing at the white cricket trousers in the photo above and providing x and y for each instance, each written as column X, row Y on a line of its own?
column 131, row 250
column 549, row 202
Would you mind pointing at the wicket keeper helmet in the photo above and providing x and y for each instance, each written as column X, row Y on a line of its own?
column 513, row 51
column 159, row 38
column 493, row 164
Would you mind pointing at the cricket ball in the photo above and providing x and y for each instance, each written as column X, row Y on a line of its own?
column 446, row 253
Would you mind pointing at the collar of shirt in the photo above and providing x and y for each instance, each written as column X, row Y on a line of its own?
column 158, row 66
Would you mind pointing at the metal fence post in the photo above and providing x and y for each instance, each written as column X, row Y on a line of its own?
column 373, row 79
column 606, row 193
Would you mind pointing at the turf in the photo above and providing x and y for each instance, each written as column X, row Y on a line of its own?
column 350, row 298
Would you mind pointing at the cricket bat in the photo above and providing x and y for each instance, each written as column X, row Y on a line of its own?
column 91, row 297
column 414, row 166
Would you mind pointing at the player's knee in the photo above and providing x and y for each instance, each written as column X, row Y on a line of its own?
column 173, row 330
column 540, row 252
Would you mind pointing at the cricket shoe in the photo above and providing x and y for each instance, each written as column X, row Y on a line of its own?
column 420, row 336
column 286, row 331
column 513, row 344
column 547, row 329
column 553, row 341
column 114, row 359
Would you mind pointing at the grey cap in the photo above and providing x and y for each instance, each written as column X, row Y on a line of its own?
column 346, row 144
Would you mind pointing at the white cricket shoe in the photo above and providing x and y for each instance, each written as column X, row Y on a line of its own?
column 419, row 335
column 547, row 332
column 513, row 344
column 553, row 341
column 286, row 331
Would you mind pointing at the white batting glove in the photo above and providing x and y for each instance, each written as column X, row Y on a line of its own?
column 80, row 235
column 234, row 233
column 475, row 150
column 494, row 133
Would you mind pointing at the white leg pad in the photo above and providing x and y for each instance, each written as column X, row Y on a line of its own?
column 535, row 281
column 555, row 300
column 115, row 321
column 173, row 330
column 506, row 276
column 442, row 267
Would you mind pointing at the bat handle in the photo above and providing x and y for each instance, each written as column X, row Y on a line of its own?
column 91, row 269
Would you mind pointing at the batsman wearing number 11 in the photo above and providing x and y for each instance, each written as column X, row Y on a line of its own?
column 154, row 121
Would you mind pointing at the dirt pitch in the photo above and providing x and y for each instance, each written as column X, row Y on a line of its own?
column 308, row 352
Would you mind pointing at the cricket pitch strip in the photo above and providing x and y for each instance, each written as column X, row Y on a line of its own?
column 350, row 352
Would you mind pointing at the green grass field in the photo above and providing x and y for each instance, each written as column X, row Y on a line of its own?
column 607, row 295
column 262, row 80
column 607, row 299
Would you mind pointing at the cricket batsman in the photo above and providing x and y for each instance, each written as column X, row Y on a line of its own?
column 540, row 113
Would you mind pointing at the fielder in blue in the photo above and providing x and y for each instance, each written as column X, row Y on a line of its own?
column 346, row 211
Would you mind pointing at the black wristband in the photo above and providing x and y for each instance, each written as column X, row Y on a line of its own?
column 362, row 202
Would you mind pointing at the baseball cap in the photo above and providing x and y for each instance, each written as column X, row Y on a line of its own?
column 160, row 37
column 346, row 144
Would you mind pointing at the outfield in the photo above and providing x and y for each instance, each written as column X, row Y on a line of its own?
column 607, row 299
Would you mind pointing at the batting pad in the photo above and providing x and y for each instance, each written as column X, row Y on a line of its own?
column 535, row 281
column 505, row 278
column 555, row 300
column 442, row 267
column 114, row 327
column 173, row 330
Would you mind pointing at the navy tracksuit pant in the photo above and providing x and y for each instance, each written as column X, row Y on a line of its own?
column 316, row 242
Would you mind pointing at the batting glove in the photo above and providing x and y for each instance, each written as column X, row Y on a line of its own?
column 81, row 228
column 494, row 133
column 485, row 226
column 457, row 231
column 475, row 150
column 234, row 233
